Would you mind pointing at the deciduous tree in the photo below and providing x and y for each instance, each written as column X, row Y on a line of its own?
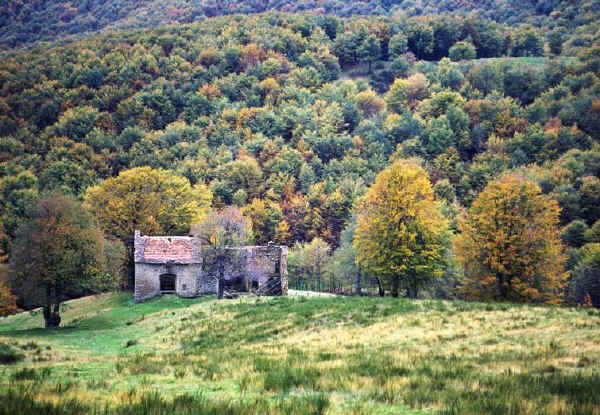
column 218, row 231
column 401, row 233
column 154, row 201
column 405, row 93
column 509, row 244
column 462, row 51
column 308, row 262
column 8, row 301
column 58, row 253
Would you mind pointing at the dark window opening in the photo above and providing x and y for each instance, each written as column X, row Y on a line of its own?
column 167, row 282
column 255, row 285
column 184, row 287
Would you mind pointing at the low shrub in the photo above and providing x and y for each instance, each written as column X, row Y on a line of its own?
column 9, row 355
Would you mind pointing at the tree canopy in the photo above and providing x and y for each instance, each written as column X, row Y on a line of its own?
column 154, row 201
column 58, row 254
column 509, row 244
column 401, row 234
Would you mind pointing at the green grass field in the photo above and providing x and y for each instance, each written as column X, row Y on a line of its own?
column 301, row 355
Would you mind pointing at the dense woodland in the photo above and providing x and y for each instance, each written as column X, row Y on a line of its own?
column 26, row 21
column 291, row 118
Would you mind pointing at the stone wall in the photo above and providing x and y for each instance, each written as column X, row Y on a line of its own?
column 260, row 267
column 147, row 279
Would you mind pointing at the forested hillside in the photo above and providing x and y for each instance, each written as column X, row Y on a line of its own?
column 291, row 117
column 26, row 21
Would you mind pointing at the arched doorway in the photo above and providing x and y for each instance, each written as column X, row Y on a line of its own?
column 167, row 283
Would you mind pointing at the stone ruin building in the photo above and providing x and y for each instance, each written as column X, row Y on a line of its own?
column 177, row 264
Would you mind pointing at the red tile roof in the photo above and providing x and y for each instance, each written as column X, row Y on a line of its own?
column 167, row 249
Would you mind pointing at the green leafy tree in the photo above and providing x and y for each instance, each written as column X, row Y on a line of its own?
column 420, row 40
column 19, row 194
column 398, row 45
column 369, row 50
column 593, row 233
column 343, row 270
column 574, row 234
column 406, row 93
column 528, row 42
column 461, row 51
column 307, row 263
column 584, row 287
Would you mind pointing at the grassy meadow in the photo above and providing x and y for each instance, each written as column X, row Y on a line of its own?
column 301, row 355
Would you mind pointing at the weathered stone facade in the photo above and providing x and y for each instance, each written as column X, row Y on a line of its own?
column 177, row 264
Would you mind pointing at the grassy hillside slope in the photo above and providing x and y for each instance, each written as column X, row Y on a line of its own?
column 302, row 355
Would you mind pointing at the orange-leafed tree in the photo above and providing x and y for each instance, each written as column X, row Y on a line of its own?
column 8, row 301
column 509, row 244
column 401, row 234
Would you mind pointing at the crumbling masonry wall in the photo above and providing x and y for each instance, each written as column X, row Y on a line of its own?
column 258, row 268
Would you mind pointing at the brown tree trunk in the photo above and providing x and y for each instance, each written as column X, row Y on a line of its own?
column 381, row 290
column 503, row 286
column 395, row 287
column 221, row 278
column 412, row 292
column 52, row 308
column 51, row 316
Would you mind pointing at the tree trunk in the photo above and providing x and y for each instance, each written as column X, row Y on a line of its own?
column 51, row 316
column 381, row 290
column 412, row 292
column 395, row 287
column 502, row 287
column 220, row 288
column 358, row 286
column 129, row 283
column 221, row 280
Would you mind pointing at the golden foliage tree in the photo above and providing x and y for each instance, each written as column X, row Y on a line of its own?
column 401, row 235
column 155, row 201
column 509, row 244
column 369, row 103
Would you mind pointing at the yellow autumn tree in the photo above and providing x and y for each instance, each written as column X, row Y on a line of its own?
column 401, row 234
column 155, row 201
column 509, row 244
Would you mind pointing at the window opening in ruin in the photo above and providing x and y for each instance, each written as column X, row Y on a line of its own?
column 167, row 282
column 184, row 287
column 255, row 285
